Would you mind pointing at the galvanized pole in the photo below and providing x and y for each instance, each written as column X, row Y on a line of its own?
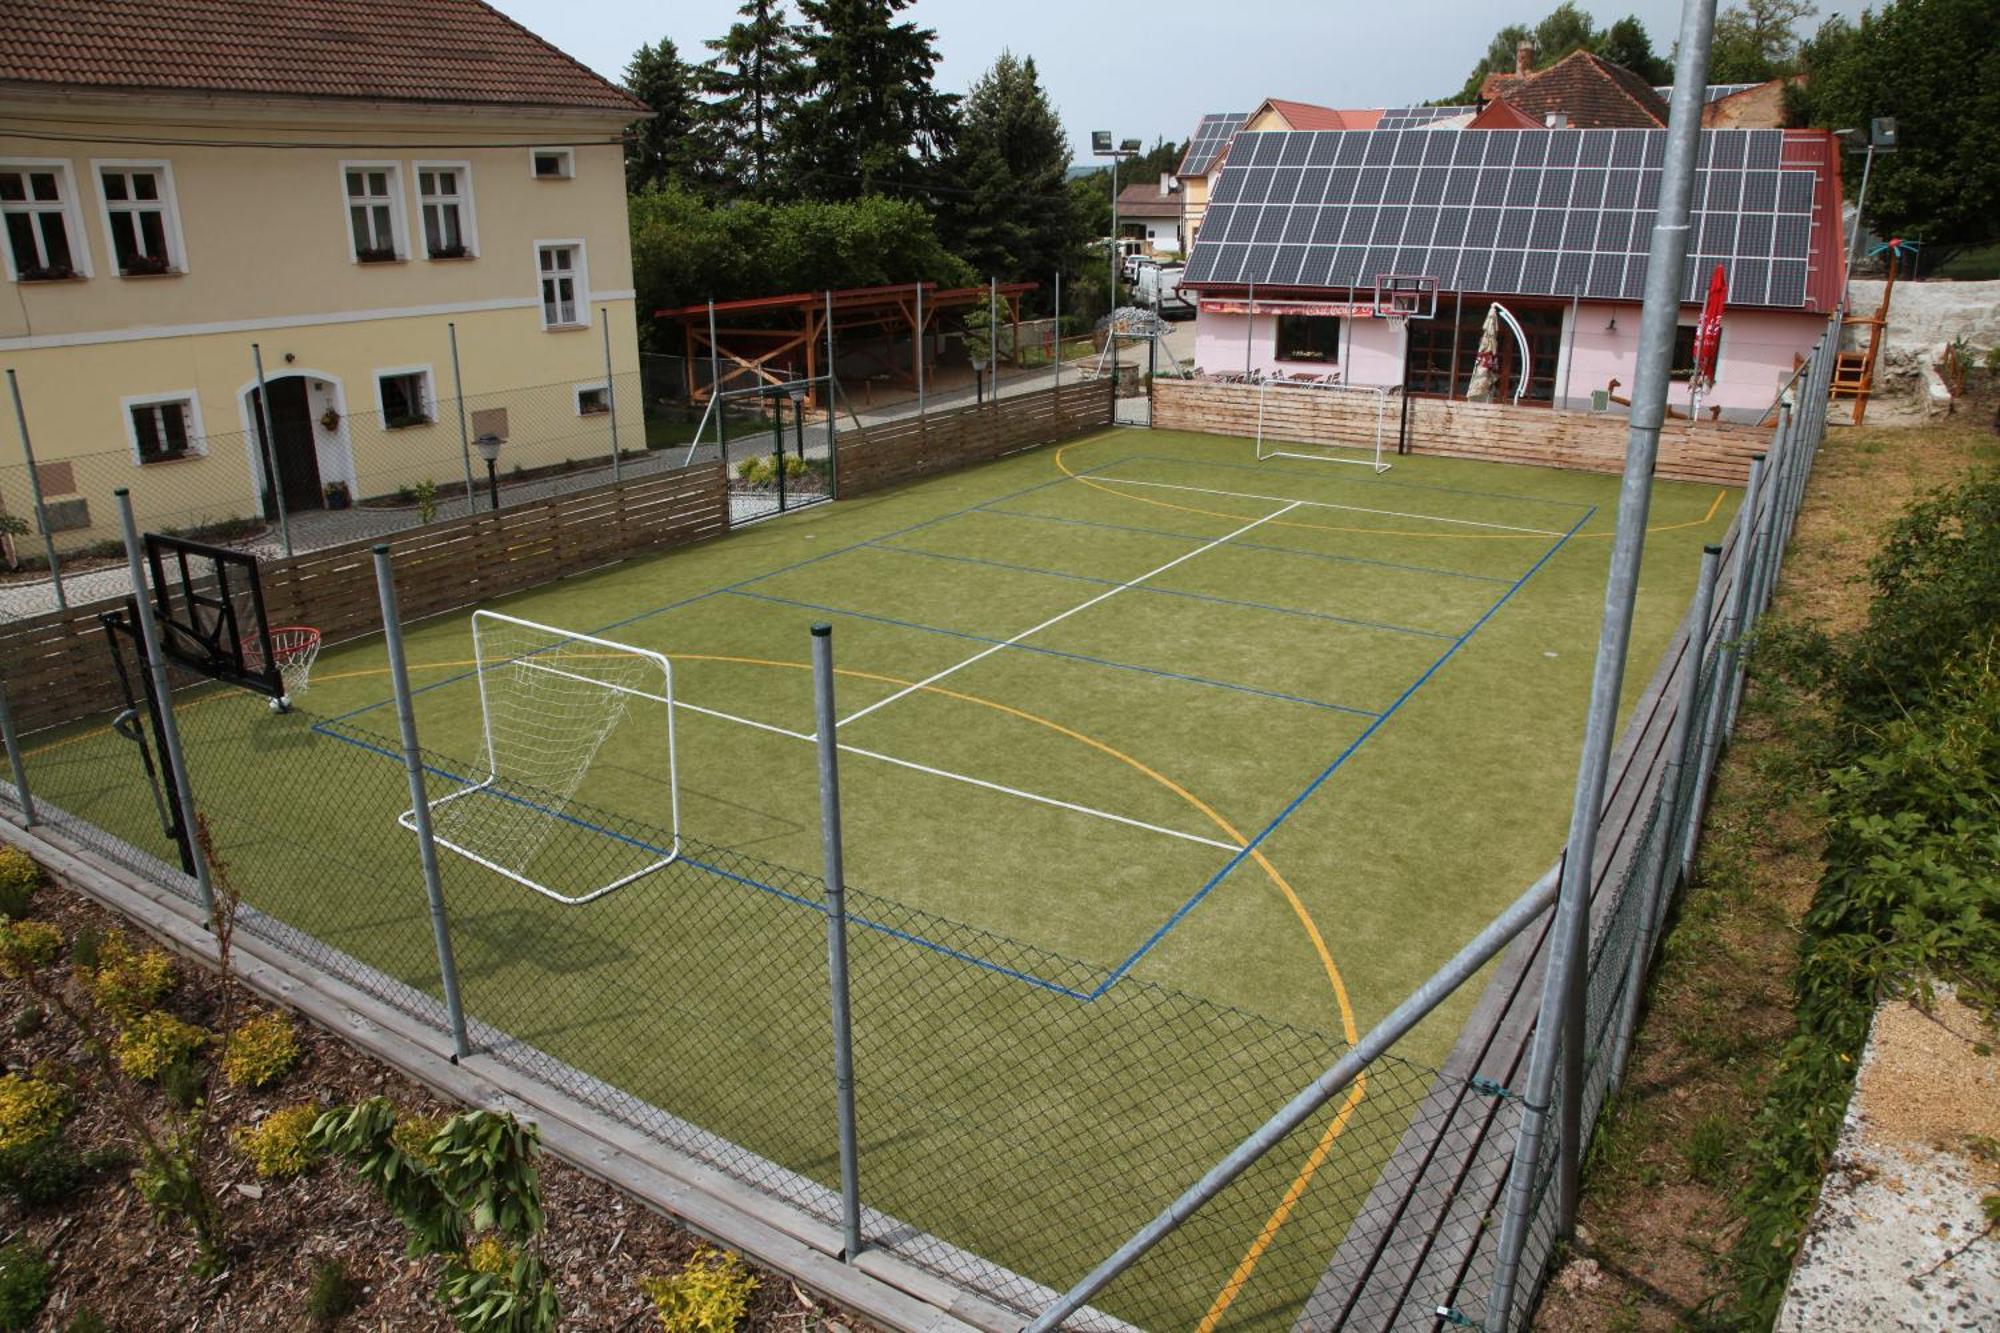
column 836, row 937
column 1249, row 328
column 1058, row 337
column 1462, row 967
column 170, row 731
column 420, row 808
column 1860, row 202
column 714, row 356
column 832, row 407
column 14, row 757
column 35, row 489
column 993, row 335
column 1559, row 1031
column 1715, row 726
column 464, row 434
column 1749, row 561
column 919, row 340
column 1662, row 864
column 271, row 476
column 1781, row 502
column 610, row 389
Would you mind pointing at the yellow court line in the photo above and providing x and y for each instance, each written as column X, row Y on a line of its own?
column 1372, row 532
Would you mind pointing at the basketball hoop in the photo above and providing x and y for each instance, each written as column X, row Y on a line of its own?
column 294, row 649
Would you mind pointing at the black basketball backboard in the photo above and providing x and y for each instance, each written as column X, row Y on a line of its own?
column 210, row 606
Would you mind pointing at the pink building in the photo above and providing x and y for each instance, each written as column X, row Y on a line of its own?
column 1552, row 224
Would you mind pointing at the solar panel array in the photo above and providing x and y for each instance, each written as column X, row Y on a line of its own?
column 1415, row 117
column 1714, row 92
column 1210, row 138
column 1518, row 212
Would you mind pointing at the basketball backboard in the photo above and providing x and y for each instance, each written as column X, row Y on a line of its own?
column 210, row 606
column 1406, row 296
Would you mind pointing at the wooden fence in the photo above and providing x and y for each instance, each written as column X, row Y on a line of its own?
column 57, row 667
column 883, row 456
column 1705, row 451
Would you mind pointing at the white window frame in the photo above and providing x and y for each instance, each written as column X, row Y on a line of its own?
column 72, row 209
column 581, row 275
column 169, row 206
column 595, row 386
column 197, row 432
column 568, row 156
column 399, row 231
column 430, row 403
column 468, row 224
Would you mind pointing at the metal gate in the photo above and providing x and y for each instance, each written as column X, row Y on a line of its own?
column 778, row 444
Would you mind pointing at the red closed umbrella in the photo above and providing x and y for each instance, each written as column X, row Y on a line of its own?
column 1708, row 331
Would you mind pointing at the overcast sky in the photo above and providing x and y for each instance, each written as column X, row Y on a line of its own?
column 1147, row 70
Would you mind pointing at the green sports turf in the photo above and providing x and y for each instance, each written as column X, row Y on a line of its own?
column 1383, row 684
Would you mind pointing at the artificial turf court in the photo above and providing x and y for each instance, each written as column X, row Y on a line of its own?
column 1135, row 713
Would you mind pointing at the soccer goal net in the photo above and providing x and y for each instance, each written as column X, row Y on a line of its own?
column 573, row 726
column 1322, row 422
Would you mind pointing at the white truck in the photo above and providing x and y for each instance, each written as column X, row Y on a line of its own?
column 1158, row 288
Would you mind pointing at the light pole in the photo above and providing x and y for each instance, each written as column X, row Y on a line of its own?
column 1882, row 135
column 488, row 446
column 1100, row 146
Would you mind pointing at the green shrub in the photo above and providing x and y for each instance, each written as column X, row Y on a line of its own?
column 24, row 1285
column 30, row 1020
column 710, row 1295
column 31, row 1110
column 86, row 948
column 156, row 1042
column 184, row 1082
column 279, row 1145
column 123, row 981
column 26, row 946
column 42, row 1173
column 19, row 878
column 260, row 1051
column 87, row 1321
column 333, row 1294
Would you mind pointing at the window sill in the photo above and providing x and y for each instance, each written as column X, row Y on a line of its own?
column 597, row 412
column 164, row 273
column 189, row 456
column 451, row 259
column 380, row 263
column 565, row 328
column 408, row 425
column 51, row 282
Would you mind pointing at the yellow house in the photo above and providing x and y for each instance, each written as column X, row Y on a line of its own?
column 340, row 187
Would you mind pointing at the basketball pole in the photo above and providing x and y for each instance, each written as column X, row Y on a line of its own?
column 170, row 731
column 464, row 436
column 271, row 476
column 420, row 808
column 610, row 387
column 825, row 724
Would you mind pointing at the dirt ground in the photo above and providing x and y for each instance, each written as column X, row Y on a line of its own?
column 110, row 1259
column 1657, row 1215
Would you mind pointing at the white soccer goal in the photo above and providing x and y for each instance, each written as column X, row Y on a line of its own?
column 550, row 701
column 1365, row 403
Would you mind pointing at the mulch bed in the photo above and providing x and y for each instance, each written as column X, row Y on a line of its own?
column 109, row 1257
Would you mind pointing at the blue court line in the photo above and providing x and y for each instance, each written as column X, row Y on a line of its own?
column 1164, row 592
column 1052, row 652
column 1237, row 545
column 1334, row 767
column 1366, row 481
column 772, row 573
column 908, row 937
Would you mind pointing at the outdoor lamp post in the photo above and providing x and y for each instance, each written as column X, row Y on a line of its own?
column 1100, row 146
column 1881, row 134
column 488, row 446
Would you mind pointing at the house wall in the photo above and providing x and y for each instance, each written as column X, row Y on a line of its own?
column 268, row 260
column 1759, row 350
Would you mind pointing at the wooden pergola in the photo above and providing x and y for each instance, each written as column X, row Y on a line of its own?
column 777, row 339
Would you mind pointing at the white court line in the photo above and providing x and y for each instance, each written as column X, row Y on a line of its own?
column 1324, row 504
column 1065, row 615
column 961, row 777
column 892, row 759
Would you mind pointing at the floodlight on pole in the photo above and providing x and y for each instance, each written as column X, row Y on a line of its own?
column 1101, row 146
column 1881, row 134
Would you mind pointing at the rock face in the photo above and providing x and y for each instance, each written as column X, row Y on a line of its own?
column 1899, row 1240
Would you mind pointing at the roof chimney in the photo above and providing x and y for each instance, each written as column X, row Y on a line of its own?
column 1524, row 57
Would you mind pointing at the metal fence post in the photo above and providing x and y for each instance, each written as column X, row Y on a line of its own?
column 919, row 340
column 1715, row 720
column 464, row 435
column 836, row 936
column 610, row 387
column 1748, row 562
column 832, row 408
column 271, row 477
column 714, row 355
column 993, row 335
column 35, row 489
column 1781, row 499
column 1662, row 864
column 14, row 758
column 420, row 809
column 1559, row 1030
column 778, row 445
column 170, row 731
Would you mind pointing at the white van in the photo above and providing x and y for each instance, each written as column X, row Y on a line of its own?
column 1159, row 289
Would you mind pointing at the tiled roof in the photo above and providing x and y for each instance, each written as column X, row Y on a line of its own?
column 440, row 51
column 1306, row 116
column 1146, row 201
column 1591, row 91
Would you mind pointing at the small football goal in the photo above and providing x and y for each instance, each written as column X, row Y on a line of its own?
column 1322, row 422
column 551, row 704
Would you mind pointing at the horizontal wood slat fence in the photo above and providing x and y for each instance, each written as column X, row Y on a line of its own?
column 883, row 456
column 1707, row 451
column 58, row 669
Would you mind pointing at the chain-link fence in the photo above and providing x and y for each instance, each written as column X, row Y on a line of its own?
column 1019, row 1119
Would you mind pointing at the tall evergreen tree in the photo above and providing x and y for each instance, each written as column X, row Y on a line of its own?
column 670, row 148
column 753, row 82
column 1008, row 211
column 1627, row 43
column 870, row 120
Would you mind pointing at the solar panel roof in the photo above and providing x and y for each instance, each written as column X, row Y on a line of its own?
column 1210, row 138
column 1412, row 117
column 1525, row 212
column 1714, row 92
